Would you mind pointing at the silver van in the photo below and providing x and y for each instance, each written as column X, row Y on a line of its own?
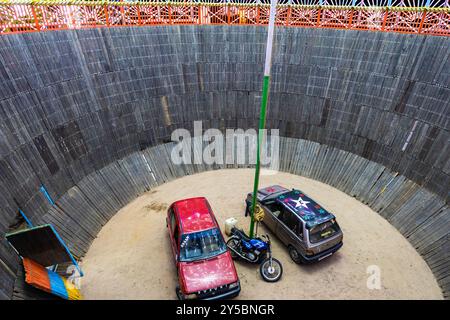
column 310, row 232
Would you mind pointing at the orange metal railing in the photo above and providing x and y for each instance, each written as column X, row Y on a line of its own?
column 19, row 16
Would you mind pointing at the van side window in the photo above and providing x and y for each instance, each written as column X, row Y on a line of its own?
column 291, row 221
column 275, row 208
column 300, row 229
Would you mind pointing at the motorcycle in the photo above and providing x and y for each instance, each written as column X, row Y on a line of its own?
column 255, row 250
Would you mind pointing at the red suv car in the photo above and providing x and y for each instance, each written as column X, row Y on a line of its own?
column 204, row 265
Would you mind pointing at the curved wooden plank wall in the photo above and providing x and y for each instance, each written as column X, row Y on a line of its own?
column 78, row 106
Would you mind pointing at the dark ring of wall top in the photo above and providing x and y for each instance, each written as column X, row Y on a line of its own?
column 73, row 102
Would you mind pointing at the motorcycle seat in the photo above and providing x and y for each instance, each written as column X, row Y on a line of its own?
column 241, row 234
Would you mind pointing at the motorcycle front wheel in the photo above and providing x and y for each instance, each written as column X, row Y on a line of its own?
column 233, row 243
column 271, row 272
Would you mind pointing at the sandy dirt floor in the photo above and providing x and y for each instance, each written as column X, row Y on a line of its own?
column 131, row 258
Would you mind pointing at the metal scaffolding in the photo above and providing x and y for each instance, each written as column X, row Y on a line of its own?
column 430, row 17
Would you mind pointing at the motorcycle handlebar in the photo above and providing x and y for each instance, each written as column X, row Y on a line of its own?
column 266, row 236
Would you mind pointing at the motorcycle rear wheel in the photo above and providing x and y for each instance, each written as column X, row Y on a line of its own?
column 233, row 243
column 271, row 273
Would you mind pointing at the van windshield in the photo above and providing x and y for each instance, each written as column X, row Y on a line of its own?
column 201, row 245
column 323, row 231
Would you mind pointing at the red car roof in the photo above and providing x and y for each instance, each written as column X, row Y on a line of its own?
column 194, row 214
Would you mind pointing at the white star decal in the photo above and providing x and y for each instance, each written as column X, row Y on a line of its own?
column 300, row 203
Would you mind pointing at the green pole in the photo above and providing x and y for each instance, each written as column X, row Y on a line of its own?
column 262, row 117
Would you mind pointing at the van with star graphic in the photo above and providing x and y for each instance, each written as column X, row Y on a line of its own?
column 310, row 232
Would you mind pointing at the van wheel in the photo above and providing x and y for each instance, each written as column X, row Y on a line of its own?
column 295, row 255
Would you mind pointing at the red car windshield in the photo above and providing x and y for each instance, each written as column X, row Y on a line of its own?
column 201, row 245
